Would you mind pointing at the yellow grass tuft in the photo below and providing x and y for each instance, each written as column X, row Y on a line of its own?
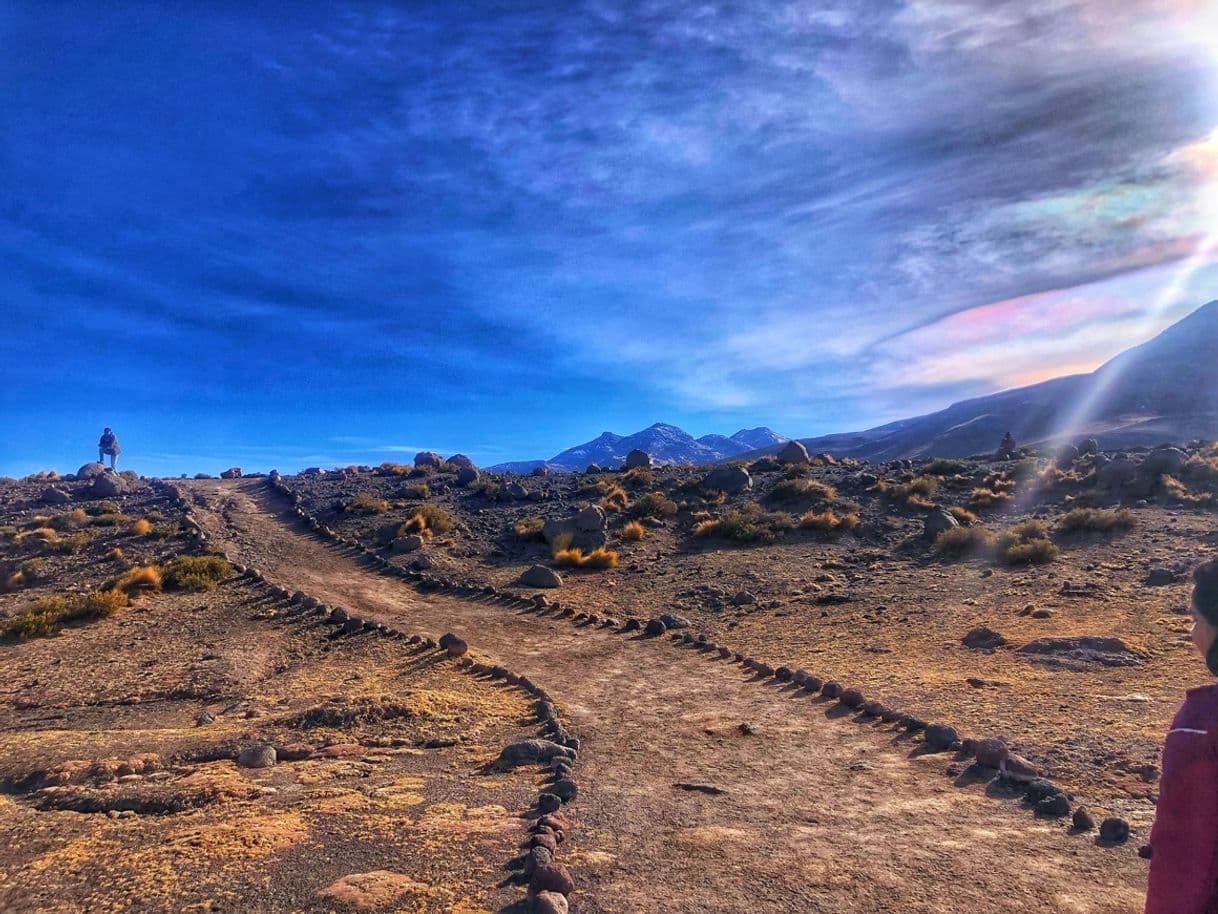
column 144, row 579
column 828, row 521
column 141, row 527
column 1097, row 520
column 633, row 531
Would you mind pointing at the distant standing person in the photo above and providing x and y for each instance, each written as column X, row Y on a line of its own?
column 107, row 444
column 1184, row 839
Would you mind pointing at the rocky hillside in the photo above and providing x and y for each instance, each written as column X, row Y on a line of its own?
column 1163, row 390
column 665, row 443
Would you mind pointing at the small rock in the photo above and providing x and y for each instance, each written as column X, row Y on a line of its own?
column 1054, row 806
column 548, row 802
column 1083, row 820
column 1160, row 577
column 565, row 789
column 541, row 576
column 548, row 903
column 991, row 753
column 1114, row 830
column 939, row 737
column 743, row 598
column 257, row 757
column 552, row 877
column 982, row 638
column 655, row 627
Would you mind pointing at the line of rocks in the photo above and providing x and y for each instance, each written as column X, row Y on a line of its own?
column 549, row 882
column 1015, row 776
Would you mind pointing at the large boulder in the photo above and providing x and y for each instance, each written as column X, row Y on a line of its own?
column 587, row 529
column 637, row 458
column 409, row 543
column 1164, row 461
column 729, row 479
column 428, row 459
column 515, row 490
column 591, row 518
column 541, row 576
column 793, row 452
column 54, row 496
column 460, row 460
column 937, row 522
column 467, row 475
column 257, row 757
column 108, row 485
column 91, row 471
column 531, row 752
column 231, row 473
column 1120, row 472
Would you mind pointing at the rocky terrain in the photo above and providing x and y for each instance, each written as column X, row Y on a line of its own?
column 789, row 684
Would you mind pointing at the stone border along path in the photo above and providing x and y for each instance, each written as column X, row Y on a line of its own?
column 1015, row 776
column 549, row 882
column 689, row 810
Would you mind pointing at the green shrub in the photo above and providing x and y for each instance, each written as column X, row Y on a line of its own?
column 29, row 623
column 959, row 542
column 799, row 489
column 1026, row 543
column 194, row 573
column 363, row 503
column 653, row 504
column 1096, row 520
column 748, row 524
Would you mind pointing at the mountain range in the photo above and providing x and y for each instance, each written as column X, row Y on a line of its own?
column 1163, row 390
column 665, row 443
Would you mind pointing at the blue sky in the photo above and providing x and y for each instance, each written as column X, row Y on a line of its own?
column 311, row 234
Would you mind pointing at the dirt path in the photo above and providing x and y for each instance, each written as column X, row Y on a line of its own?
column 818, row 814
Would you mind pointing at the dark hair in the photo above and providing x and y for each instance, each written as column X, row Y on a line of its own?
column 1205, row 604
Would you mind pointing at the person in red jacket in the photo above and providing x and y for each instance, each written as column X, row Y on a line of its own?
column 1184, row 839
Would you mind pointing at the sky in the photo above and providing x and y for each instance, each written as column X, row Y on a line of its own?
column 304, row 234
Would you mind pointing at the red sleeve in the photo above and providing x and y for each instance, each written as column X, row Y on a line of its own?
column 1184, row 840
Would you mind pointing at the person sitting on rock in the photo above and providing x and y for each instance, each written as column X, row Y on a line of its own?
column 107, row 444
column 1184, row 839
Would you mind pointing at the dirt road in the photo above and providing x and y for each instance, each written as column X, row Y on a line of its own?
column 817, row 813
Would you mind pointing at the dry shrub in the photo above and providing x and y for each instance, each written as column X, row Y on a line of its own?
column 45, row 535
column 985, row 497
column 828, row 522
column 98, row 605
column 70, row 520
column 13, row 581
column 798, row 489
column 115, row 554
column 141, row 527
column 363, row 503
column 529, row 528
column 998, row 482
column 653, row 504
column 638, row 477
column 1097, row 520
column 1178, row 492
column 943, row 467
column 748, row 524
column 963, row 516
column 398, row 469
column 426, row 518
column 71, row 544
column 141, row 580
column 573, row 557
column 46, row 616
column 111, row 520
column 194, row 573
column 614, row 497
column 416, row 491
column 1026, row 543
column 633, row 531
column 30, row 623
column 959, row 542
column 487, row 488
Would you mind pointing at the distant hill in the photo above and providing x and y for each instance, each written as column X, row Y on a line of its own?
column 665, row 443
column 1163, row 390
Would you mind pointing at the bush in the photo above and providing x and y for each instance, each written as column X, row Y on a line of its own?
column 426, row 518
column 111, row 520
column 416, row 491
column 487, row 488
column 748, row 524
column 633, row 531
column 141, row 580
column 102, row 507
column 363, row 503
column 529, row 528
column 115, row 554
column 828, row 522
column 638, row 477
column 614, row 497
column 69, row 521
column 653, row 504
column 100, row 604
column 194, row 573
column 798, row 489
column 1178, row 492
column 942, row 467
column 962, row 541
column 1096, row 520
column 1026, row 543
column 70, row 544
column 30, row 623
column 963, row 516
column 572, row 557
column 141, row 527
column 397, row 469
column 984, row 497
